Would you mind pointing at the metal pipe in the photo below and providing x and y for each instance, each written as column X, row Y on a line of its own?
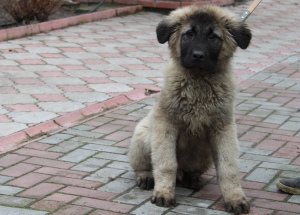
column 250, row 9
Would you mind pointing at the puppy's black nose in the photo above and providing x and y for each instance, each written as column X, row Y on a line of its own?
column 198, row 55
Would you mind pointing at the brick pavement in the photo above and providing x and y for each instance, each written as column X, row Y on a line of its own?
column 51, row 74
column 83, row 169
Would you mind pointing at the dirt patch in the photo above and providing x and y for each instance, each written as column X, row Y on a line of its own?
column 6, row 21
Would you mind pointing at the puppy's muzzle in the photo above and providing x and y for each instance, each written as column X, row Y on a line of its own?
column 198, row 56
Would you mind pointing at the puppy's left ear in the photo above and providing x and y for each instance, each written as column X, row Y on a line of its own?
column 242, row 35
column 164, row 31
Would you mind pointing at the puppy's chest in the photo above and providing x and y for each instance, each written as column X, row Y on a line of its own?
column 199, row 97
column 197, row 104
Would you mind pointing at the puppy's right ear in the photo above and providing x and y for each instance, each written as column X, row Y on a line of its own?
column 164, row 31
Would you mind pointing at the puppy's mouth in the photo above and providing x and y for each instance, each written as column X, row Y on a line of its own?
column 198, row 64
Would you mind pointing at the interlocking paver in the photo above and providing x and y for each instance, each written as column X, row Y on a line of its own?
column 9, row 210
column 105, row 175
column 40, row 190
column 18, row 170
column 11, row 159
column 73, row 209
column 62, row 172
column 77, row 155
column 28, row 180
column 106, row 205
column 84, row 169
column 90, row 165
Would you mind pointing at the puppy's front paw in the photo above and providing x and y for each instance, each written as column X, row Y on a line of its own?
column 240, row 206
column 163, row 199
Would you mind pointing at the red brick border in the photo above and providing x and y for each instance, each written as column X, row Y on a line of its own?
column 21, row 31
column 167, row 4
column 26, row 136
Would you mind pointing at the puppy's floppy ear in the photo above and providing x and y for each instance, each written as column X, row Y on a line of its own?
column 164, row 31
column 242, row 35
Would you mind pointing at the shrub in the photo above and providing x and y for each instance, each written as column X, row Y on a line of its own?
column 26, row 11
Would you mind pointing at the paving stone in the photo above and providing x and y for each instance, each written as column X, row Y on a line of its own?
column 9, row 190
column 120, row 165
column 32, row 117
column 79, row 191
column 56, row 138
column 74, row 182
column 38, row 153
column 104, row 205
column 116, row 150
column 11, row 127
column 18, row 170
column 248, row 165
column 133, row 107
column 73, row 209
column 28, row 180
column 62, row 172
column 95, row 147
column 289, row 207
column 90, row 165
column 112, row 87
column 272, row 186
column 11, row 159
column 77, row 155
column 65, row 146
column 182, row 209
column 118, row 186
column 259, row 112
column 111, row 156
column 60, row 107
column 51, row 163
column 294, row 199
column 135, row 196
column 12, row 211
column 149, row 208
column 255, row 151
column 94, row 141
column 4, row 179
column 129, row 175
column 256, row 175
column 13, row 201
column 83, row 127
column 83, row 133
column 105, row 175
column 280, row 166
column 40, row 190
column 290, row 174
column 87, row 96
column 291, row 126
column 265, row 158
column 193, row 201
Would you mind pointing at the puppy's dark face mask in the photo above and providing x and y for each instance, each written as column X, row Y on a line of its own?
column 200, row 44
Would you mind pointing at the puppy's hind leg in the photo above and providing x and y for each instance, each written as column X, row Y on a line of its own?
column 140, row 155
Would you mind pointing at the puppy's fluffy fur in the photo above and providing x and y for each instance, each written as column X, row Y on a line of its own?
column 192, row 125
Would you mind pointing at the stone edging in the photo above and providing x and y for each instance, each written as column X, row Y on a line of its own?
column 18, row 139
column 17, row 32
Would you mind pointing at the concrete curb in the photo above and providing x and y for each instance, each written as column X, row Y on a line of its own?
column 17, row 140
column 27, row 30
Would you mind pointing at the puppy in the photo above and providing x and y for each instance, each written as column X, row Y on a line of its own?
column 192, row 124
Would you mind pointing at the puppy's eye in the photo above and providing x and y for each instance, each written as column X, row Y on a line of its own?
column 212, row 36
column 190, row 34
